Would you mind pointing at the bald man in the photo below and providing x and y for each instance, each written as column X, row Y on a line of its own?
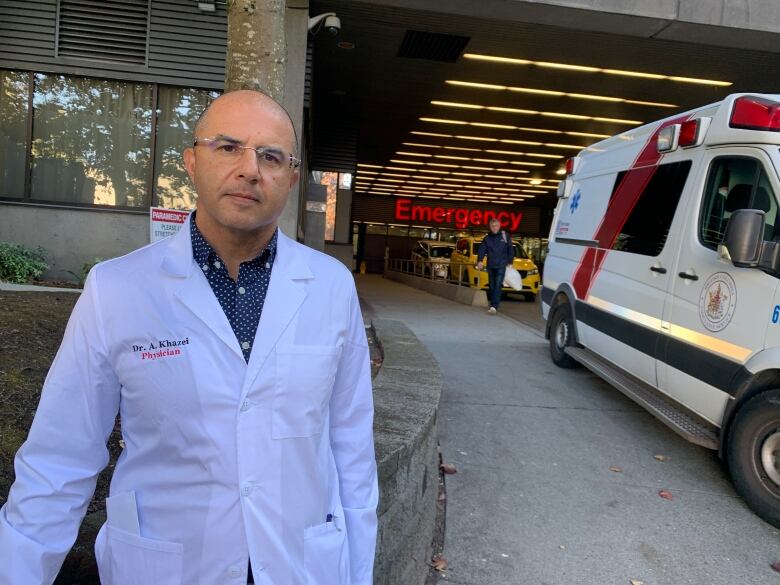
column 238, row 362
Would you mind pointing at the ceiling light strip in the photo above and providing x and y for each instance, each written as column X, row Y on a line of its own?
column 587, row 69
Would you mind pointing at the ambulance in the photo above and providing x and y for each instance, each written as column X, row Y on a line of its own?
column 662, row 278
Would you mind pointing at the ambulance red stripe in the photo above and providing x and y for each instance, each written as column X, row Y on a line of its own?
column 620, row 206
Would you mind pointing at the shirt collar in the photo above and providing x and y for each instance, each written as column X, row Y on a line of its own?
column 202, row 250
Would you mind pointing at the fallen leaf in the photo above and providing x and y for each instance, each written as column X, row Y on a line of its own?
column 665, row 495
column 776, row 566
column 562, row 546
column 635, row 582
column 661, row 458
column 616, row 469
column 449, row 468
column 439, row 563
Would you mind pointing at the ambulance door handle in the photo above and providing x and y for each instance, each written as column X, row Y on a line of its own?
column 658, row 269
column 688, row 276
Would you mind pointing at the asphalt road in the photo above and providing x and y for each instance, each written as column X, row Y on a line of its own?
column 557, row 482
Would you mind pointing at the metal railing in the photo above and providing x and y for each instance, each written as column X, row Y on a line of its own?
column 432, row 270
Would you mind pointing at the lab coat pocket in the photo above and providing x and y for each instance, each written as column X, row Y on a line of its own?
column 128, row 559
column 326, row 555
column 304, row 379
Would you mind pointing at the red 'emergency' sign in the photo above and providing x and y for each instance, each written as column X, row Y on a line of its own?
column 405, row 210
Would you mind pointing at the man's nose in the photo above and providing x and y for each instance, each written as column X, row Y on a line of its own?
column 248, row 167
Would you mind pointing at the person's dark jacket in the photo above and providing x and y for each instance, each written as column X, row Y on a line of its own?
column 499, row 249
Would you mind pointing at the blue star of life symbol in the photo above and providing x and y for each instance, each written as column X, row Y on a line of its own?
column 575, row 201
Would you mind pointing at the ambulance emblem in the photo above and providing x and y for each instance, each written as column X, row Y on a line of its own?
column 718, row 301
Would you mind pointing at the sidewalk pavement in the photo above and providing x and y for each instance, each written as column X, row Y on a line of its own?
column 557, row 481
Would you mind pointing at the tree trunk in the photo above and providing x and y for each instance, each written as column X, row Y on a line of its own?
column 256, row 46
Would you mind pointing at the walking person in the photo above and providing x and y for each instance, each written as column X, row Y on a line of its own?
column 497, row 245
column 238, row 361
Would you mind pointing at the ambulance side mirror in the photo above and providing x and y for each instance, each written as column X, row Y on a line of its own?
column 744, row 237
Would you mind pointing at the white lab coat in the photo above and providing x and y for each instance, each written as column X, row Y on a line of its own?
column 227, row 460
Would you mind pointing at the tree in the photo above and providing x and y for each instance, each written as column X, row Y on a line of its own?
column 257, row 47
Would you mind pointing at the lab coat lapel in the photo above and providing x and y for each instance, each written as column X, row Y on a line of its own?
column 192, row 289
column 286, row 293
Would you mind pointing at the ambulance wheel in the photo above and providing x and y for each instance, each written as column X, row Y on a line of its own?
column 753, row 455
column 561, row 336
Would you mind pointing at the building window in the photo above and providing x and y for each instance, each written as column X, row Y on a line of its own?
column 178, row 110
column 91, row 141
column 14, row 101
column 331, row 182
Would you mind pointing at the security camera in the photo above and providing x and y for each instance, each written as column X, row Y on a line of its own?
column 333, row 25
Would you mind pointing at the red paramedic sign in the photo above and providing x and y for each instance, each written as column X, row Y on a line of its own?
column 406, row 210
column 165, row 222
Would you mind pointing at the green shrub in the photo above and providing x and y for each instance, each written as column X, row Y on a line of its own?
column 81, row 275
column 21, row 265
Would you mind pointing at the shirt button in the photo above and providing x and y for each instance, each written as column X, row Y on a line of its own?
column 235, row 572
column 244, row 345
column 246, row 490
column 241, row 290
column 245, row 406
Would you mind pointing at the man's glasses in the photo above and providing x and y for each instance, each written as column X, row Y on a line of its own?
column 269, row 158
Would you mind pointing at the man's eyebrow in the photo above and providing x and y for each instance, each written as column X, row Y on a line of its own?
column 271, row 148
column 227, row 138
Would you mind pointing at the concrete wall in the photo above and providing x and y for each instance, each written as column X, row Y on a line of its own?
column 72, row 237
column 406, row 401
column 745, row 24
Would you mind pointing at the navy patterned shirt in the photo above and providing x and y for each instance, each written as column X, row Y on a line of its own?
column 241, row 300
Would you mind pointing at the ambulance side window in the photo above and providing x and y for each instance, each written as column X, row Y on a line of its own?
column 735, row 183
column 647, row 227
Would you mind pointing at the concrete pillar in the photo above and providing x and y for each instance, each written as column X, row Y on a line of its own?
column 296, row 26
column 314, row 226
column 343, row 229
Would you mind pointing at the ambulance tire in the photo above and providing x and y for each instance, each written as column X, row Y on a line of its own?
column 561, row 336
column 755, row 433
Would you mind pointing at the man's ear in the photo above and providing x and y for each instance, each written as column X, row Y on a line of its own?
column 189, row 162
column 295, row 176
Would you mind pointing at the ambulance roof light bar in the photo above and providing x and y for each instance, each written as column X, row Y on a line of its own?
column 692, row 132
column 668, row 138
column 755, row 113
column 686, row 135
